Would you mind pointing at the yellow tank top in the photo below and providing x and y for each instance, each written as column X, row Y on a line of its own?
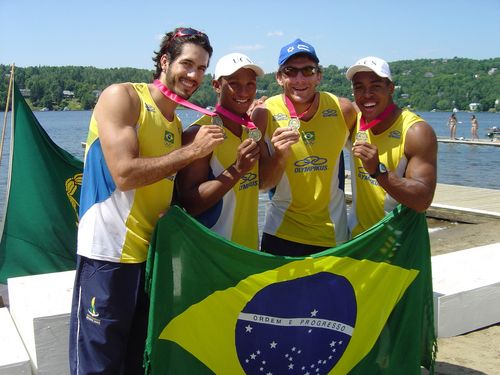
column 235, row 217
column 115, row 225
column 308, row 206
column 370, row 202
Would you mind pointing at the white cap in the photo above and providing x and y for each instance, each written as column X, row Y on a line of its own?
column 370, row 64
column 229, row 64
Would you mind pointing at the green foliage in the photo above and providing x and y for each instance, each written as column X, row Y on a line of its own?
column 423, row 84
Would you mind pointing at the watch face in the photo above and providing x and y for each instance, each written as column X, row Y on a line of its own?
column 382, row 168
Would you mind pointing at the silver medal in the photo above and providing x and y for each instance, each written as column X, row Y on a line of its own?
column 254, row 134
column 361, row 136
column 294, row 123
column 216, row 120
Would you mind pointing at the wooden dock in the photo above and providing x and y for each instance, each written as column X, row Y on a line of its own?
column 481, row 142
column 459, row 203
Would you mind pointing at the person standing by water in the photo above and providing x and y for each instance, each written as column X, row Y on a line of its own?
column 394, row 152
column 473, row 128
column 133, row 153
column 222, row 189
column 452, row 124
column 306, row 131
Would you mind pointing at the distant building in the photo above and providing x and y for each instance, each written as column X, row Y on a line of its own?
column 96, row 93
column 474, row 106
column 429, row 75
column 492, row 71
column 406, row 96
column 25, row 92
column 68, row 94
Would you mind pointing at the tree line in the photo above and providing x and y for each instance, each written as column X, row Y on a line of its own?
column 423, row 84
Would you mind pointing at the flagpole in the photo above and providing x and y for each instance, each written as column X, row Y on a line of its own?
column 11, row 80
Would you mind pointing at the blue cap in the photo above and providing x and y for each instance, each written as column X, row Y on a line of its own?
column 297, row 46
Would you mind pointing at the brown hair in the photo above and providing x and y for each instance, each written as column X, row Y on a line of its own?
column 172, row 43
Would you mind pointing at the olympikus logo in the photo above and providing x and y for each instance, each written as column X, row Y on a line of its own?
column 364, row 176
column 311, row 164
column 149, row 107
column 280, row 117
column 395, row 134
column 248, row 180
column 329, row 113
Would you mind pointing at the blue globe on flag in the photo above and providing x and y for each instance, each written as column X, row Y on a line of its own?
column 276, row 335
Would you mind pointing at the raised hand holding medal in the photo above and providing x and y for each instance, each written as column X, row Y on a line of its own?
column 294, row 122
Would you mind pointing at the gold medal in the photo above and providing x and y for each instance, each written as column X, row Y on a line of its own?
column 294, row 123
column 361, row 136
column 216, row 120
column 254, row 134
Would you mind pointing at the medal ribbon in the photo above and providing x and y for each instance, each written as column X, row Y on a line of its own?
column 292, row 111
column 243, row 120
column 386, row 113
column 176, row 98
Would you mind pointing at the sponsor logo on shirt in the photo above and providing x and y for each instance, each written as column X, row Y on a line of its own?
column 149, row 107
column 364, row 176
column 395, row 134
column 248, row 180
column 311, row 163
column 280, row 117
column 329, row 113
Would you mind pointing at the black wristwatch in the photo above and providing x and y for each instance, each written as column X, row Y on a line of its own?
column 381, row 169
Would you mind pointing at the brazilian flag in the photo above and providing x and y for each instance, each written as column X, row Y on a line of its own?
column 39, row 228
column 365, row 307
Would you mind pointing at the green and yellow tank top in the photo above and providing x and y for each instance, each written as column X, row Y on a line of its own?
column 235, row 216
column 117, row 225
column 307, row 205
column 370, row 202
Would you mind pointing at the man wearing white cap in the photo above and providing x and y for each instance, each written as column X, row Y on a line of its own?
column 222, row 189
column 306, row 131
column 394, row 151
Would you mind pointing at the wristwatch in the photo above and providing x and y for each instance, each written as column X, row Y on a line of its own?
column 381, row 169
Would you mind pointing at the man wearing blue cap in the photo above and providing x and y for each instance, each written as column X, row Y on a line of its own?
column 305, row 133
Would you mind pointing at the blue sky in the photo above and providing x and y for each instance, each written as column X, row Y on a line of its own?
column 112, row 33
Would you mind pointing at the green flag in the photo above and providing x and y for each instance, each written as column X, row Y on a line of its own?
column 364, row 307
column 41, row 218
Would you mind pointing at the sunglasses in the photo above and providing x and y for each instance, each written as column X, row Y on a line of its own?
column 307, row 71
column 187, row 31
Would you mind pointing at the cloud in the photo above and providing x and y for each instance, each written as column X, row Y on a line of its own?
column 249, row 47
column 275, row 33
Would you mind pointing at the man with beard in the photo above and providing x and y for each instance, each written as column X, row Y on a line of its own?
column 133, row 153
column 306, row 131
column 222, row 189
column 394, row 151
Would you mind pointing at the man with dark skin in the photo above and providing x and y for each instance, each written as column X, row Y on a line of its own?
column 222, row 189
column 394, row 152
